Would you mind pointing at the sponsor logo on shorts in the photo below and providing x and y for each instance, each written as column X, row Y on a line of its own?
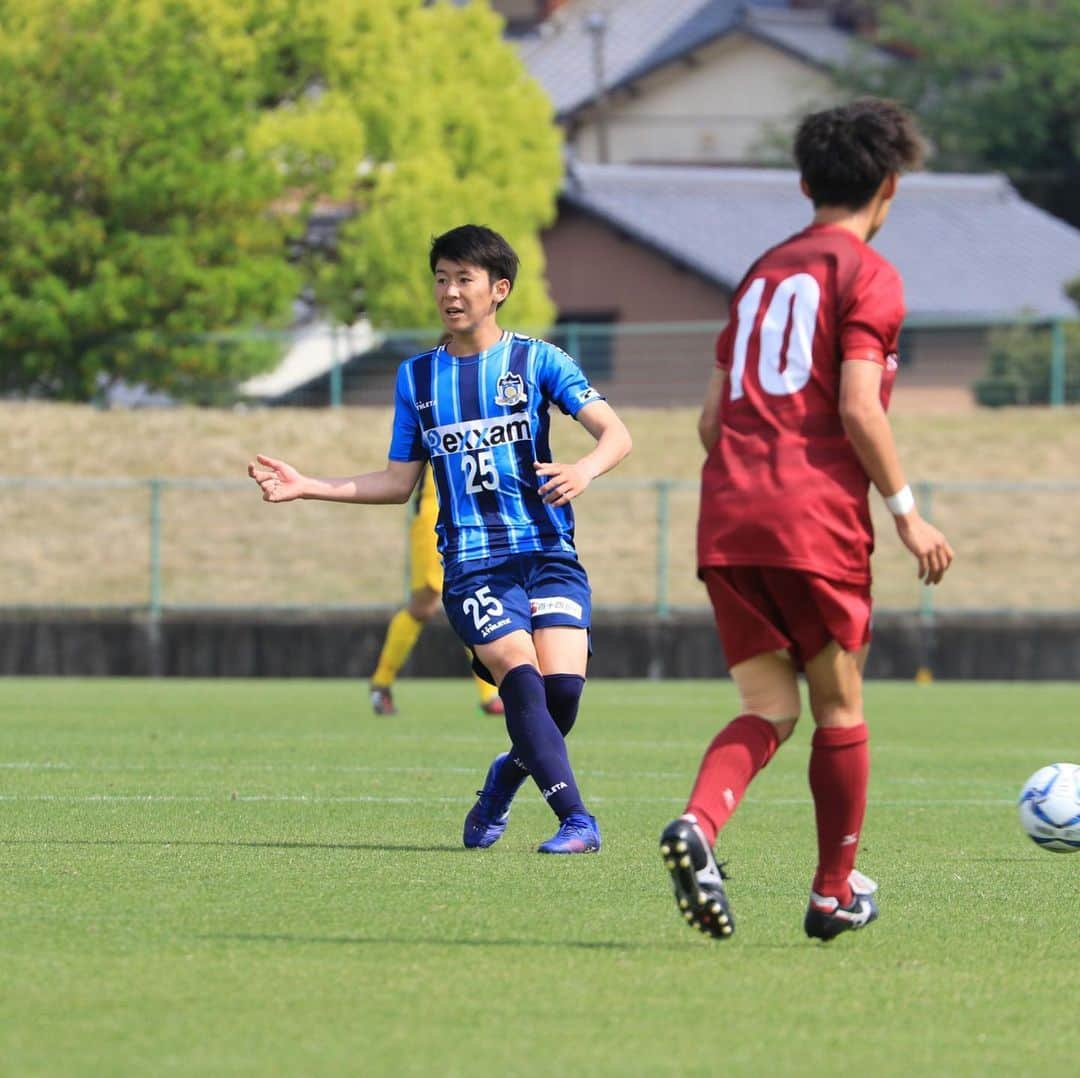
column 491, row 626
column 555, row 604
column 477, row 434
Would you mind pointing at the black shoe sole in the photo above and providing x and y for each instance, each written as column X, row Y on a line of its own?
column 704, row 908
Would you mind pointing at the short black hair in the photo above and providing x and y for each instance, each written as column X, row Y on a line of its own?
column 478, row 246
column 844, row 153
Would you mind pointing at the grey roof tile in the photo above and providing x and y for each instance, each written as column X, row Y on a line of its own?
column 807, row 34
column 561, row 56
column 713, row 19
column 968, row 246
column 644, row 35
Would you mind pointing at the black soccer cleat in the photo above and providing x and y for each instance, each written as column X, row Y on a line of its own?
column 697, row 879
column 826, row 918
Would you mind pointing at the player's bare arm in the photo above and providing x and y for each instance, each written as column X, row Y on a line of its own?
column 709, row 420
column 868, row 430
column 281, row 482
column 613, row 442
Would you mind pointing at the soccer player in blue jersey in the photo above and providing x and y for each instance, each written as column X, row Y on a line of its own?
column 478, row 408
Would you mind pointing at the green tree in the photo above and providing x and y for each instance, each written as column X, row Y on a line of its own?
column 422, row 118
column 1072, row 290
column 132, row 214
column 996, row 85
column 160, row 158
column 1018, row 370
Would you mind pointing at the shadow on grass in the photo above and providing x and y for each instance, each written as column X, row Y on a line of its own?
column 690, row 944
column 420, row 941
column 378, row 847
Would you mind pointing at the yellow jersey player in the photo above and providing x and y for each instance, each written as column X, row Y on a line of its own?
column 425, row 598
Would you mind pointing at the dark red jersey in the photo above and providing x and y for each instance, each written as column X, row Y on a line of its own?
column 782, row 486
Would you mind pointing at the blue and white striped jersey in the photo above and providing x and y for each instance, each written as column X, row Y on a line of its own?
column 483, row 420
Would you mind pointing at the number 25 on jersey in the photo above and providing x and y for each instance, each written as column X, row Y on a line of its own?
column 480, row 472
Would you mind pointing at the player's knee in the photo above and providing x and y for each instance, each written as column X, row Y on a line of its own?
column 423, row 603
column 779, row 704
column 506, row 654
column 784, row 728
column 563, row 692
column 837, row 713
column 768, row 687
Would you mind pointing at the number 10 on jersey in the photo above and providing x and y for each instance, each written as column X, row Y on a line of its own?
column 785, row 339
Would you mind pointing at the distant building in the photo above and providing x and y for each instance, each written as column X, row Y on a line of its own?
column 668, row 245
column 655, row 96
column 688, row 81
column 642, row 261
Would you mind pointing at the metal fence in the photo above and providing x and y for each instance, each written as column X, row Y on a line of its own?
column 174, row 544
column 661, row 364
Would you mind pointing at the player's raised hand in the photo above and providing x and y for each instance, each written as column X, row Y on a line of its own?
column 278, row 481
column 566, row 481
column 930, row 547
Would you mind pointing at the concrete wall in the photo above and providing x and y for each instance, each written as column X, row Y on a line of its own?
column 275, row 644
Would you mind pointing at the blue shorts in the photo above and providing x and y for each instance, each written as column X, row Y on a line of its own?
column 487, row 600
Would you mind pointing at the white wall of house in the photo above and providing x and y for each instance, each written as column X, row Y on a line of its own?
column 735, row 102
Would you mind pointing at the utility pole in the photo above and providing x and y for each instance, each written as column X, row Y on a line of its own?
column 596, row 24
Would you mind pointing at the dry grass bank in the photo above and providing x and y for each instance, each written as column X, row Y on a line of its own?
column 90, row 544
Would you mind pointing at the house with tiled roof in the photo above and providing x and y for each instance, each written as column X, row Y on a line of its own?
column 668, row 245
column 649, row 245
column 692, row 81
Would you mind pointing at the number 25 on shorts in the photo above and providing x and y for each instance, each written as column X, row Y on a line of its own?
column 482, row 606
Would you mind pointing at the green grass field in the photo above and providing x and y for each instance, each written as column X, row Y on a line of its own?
column 259, row 878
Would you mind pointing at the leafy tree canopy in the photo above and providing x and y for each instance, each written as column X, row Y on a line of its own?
column 159, row 159
column 996, row 85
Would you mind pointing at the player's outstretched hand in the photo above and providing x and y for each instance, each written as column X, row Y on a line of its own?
column 930, row 547
column 278, row 481
column 566, row 482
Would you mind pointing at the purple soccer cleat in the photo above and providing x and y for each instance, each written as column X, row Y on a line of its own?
column 578, row 833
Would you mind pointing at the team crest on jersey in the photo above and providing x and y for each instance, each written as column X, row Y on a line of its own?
column 510, row 390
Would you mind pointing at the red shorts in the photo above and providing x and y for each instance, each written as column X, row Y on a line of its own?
column 760, row 609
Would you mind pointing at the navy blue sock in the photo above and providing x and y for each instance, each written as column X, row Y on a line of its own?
column 563, row 692
column 537, row 741
column 513, row 772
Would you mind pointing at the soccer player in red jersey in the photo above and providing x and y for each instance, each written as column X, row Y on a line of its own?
column 794, row 424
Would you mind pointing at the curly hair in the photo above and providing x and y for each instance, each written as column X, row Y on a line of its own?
column 845, row 153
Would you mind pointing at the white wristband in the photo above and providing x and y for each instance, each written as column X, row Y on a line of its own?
column 901, row 503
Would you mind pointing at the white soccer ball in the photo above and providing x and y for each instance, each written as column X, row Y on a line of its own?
column 1050, row 807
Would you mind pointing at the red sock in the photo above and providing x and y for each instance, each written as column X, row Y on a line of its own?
column 733, row 758
column 839, row 772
